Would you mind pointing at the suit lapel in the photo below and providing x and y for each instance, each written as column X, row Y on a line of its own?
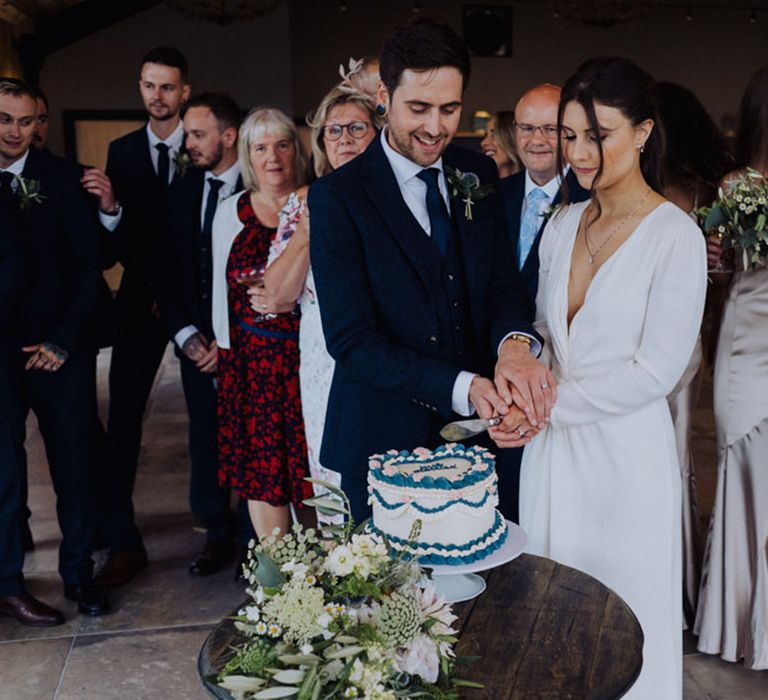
column 381, row 186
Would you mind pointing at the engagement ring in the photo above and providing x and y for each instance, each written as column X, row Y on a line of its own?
column 545, row 386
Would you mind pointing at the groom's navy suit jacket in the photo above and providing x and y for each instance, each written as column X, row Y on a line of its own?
column 382, row 300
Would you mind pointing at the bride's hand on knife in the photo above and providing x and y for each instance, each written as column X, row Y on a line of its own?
column 514, row 430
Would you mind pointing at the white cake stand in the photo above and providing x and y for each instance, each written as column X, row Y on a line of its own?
column 461, row 582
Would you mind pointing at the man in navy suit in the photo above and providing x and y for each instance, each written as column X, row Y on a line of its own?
column 420, row 298
column 528, row 196
column 54, row 367
column 535, row 190
column 141, row 167
column 211, row 122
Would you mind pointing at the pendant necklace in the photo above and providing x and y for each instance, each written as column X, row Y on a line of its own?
column 617, row 228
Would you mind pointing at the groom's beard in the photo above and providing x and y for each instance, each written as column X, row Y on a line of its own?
column 421, row 148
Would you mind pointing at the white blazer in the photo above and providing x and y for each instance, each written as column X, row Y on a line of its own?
column 226, row 227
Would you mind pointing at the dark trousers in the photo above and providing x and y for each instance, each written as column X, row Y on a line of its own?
column 508, row 471
column 207, row 500
column 11, row 553
column 64, row 403
column 135, row 361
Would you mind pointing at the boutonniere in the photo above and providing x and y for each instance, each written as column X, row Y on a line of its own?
column 468, row 187
column 183, row 162
column 546, row 215
column 28, row 192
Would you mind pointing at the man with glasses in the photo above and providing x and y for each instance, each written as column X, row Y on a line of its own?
column 529, row 194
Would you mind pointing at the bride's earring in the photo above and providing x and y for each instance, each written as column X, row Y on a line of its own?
column 641, row 147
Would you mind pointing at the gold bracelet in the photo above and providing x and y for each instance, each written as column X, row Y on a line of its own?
column 520, row 338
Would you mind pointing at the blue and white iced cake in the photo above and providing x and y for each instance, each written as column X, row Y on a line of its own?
column 451, row 490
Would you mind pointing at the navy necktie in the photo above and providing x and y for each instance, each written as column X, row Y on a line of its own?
column 163, row 164
column 439, row 220
column 210, row 206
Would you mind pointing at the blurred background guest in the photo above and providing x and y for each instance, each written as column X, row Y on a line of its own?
column 499, row 143
column 732, row 617
column 262, row 449
column 696, row 159
column 343, row 125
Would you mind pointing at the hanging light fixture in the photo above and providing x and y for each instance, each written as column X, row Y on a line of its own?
column 600, row 13
column 224, row 11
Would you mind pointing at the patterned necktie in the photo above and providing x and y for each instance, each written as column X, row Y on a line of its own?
column 439, row 220
column 530, row 225
column 6, row 185
column 163, row 164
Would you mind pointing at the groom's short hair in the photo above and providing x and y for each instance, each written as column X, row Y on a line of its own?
column 422, row 44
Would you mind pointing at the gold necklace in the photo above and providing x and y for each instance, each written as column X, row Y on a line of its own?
column 618, row 228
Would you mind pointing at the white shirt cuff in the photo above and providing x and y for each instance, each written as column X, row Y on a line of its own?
column 460, row 396
column 110, row 221
column 184, row 335
column 536, row 346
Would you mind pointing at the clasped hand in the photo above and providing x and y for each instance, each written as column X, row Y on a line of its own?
column 205, row 355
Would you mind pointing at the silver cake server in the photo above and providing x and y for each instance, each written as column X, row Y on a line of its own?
column 463, row 429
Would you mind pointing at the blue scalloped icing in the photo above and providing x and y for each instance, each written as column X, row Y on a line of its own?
column 424, row 509
column 448, row 559
column 407, row 480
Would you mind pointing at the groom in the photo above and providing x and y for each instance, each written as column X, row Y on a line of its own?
column 418, row 289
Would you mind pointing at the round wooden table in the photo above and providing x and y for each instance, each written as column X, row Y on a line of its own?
column 542, row 630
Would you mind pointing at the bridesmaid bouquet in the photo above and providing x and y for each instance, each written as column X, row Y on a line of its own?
column 341, row 617
column 739, row 216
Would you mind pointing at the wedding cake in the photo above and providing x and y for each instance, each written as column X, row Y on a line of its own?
column 452, row 491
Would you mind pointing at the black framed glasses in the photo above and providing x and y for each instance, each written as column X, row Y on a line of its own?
column 548, row 131
column 356, row 130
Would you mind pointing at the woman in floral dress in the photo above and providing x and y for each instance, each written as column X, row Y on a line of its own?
column 262, row 449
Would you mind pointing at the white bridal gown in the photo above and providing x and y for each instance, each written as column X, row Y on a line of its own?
column 600, row 486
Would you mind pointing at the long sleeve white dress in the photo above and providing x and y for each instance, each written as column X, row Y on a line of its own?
column 600, row 486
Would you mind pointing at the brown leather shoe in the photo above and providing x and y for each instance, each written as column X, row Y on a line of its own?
column 30, row 611
column 121, row 567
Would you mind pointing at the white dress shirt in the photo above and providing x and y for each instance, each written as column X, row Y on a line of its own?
column 16, row 168
column 229, row 177
column 414, row 193
column 174, row 142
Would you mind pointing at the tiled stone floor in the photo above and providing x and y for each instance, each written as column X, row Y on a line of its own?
column 148, row 647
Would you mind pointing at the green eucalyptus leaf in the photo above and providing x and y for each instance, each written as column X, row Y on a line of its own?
column 267, row 574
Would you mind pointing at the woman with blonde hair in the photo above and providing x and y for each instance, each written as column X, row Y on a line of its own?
column 343, row 125
column 499, row 143
column 262, row 449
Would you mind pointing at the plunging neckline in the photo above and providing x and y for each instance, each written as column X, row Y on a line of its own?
column 608, row 261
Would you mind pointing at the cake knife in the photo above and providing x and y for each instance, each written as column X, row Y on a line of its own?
column 463, row 429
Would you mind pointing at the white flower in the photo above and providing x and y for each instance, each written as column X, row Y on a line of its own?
column 419, row 658
column 307, row 649
column 252, row 613
column 297, row 569
column 340, row 561
column 324, row 620
column 350, row 692
column 261, row 628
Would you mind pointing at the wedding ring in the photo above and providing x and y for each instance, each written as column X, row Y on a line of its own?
column 544, row 386
column 263, row 307
column 521, row 432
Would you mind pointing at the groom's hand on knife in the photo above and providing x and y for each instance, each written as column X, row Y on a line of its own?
column 485, row 399
column 522, row 380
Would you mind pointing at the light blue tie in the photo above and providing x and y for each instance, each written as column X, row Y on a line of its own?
column 530, row 225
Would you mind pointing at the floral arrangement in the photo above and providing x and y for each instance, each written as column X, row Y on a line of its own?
column 468, row 187
column 739, row 215
column 340, row 617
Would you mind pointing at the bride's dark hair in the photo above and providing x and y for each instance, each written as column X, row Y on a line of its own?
column 615, row 82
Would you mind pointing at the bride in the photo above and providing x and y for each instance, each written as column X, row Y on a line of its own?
column 621, row 292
